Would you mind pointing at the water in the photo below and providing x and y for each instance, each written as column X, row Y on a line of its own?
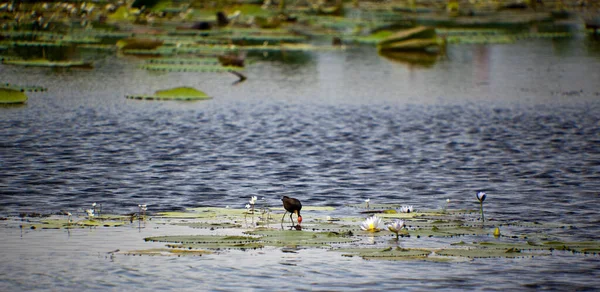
column 519, row 121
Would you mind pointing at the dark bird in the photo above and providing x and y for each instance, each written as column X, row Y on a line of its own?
column 293, row 206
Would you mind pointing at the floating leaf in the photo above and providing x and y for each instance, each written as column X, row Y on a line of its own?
column 302, row 238
column 12, row 96
column 168, row 252
column 48, row 63
column 489, row 253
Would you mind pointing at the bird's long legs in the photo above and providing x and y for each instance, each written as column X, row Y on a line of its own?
column 282, row 218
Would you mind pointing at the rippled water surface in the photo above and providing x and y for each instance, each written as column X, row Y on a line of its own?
column 518, row 121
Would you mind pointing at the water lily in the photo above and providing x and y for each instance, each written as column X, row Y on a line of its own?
column 367, row 202
column 90, row 213
column 371, row 224
column 406, row 209
column 253, row 200
column 247, row 206
column 481, row 197
column 396, row 226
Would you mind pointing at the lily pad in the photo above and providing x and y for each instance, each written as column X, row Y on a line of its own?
column 179, row 93
column 168, row 252
column 489, row 253
column 299, row 238
column 388, row 253
column 12, row 96
column 48, row 63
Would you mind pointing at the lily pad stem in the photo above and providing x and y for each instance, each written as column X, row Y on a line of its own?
column 481, row 208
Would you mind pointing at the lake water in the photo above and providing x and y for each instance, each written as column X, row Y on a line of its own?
column 518, row 121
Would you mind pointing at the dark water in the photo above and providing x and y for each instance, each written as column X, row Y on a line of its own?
column 519, row 121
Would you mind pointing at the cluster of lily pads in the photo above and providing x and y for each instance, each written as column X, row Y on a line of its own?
column 388, row 232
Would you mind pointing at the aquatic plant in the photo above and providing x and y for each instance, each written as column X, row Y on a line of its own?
column 406, row 209
column 371, row 224
column 396, row 227
column 367, row 203
column 12, row 96
column 481, row 197
column 142, row 211
column 90, row 214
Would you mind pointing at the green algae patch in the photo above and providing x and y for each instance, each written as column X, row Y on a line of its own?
column 12, row 96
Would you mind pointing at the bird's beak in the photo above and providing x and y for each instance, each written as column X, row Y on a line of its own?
column 299, row 220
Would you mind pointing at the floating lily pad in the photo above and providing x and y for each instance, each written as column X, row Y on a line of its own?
column 299, row 238
column 205, row 241
column 48, row 63
column 179, row 93
column 385, row 253
column 209, row 225
column 23, row 88
column 489, row 253
column 12, row 96
column 168, row 252
column 189, row 68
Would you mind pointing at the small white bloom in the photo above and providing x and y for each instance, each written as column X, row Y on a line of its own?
column 481, row 197
column 94, row 204
column 368, row 200
column 406, row 209
column 90, row 212
column 247, row 206
column 371, row 224
column 447, row 200
column 328, row 218
column 396, row 226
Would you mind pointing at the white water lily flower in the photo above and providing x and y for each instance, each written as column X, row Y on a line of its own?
column 406, row 209
column 371, row 224
column 90, row 213
column 396, row 226
column 481, row 197
column 447, row 200
column 247, row 206
column 144, row 208
column 253, row 200
column 368, row 200
column 94, row 204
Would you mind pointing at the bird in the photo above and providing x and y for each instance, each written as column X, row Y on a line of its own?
column 293, row 206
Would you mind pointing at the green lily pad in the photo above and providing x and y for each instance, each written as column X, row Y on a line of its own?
column 12, row 96
column 301, row 238
column 179, row 93
column 48, row 63
column 202, row 239
column 23, row 88
column 209, row 225
column 489, row 253
column 190, row 68
column 386, row 253
column 168, row 252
